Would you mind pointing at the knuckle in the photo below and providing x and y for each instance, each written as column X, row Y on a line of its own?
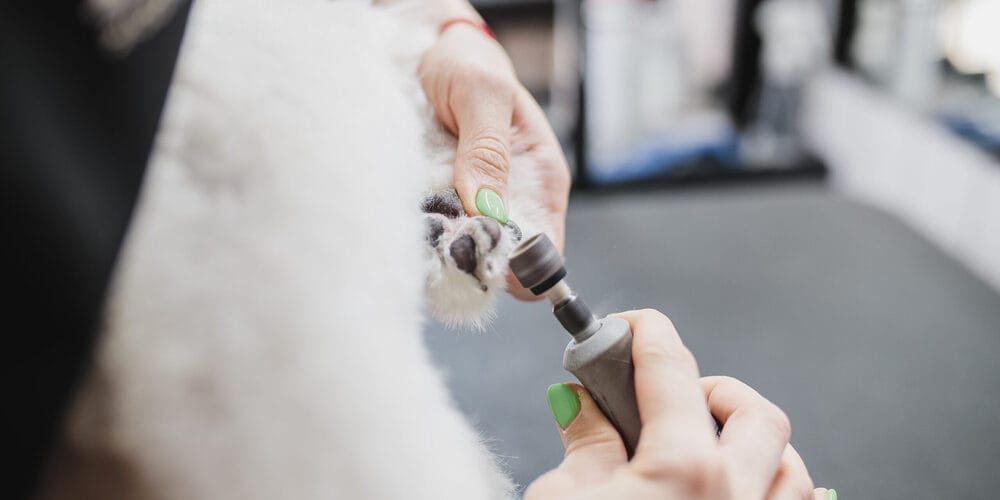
column 652, row 315
column 725, row 387
column 652, row 312
column 490, row 80
column 658, row 354
column 773, row 416
column 595, row 439
column 727, row 381
column 778, row 421
column 696, row 470
column 474, row 82
column 796, row 482
column 658, row 464
column 489, row 154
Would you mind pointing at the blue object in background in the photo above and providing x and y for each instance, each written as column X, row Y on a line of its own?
column 660, row 156
column 980, row 132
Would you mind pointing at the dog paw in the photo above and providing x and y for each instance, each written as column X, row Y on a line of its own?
column 467, row 259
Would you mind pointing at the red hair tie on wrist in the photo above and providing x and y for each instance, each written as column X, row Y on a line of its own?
column 479, row 25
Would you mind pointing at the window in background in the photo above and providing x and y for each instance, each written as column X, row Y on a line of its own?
column 653, row 83
column 670, row 89
column 941, row 57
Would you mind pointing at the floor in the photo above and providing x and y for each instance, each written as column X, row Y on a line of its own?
column 884, row 352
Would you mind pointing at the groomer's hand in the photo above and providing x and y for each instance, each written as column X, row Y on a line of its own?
column 679, row 455
column 472, row 87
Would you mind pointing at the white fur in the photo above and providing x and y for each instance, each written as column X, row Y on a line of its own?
column 262, row 336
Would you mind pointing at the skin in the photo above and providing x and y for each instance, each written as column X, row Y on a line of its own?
column 679, row 455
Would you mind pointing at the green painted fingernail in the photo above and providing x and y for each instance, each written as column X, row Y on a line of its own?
column 564, row 403
column 831, row 494
column 489, row 204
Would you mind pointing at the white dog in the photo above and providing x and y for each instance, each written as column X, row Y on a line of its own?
column 263, row 333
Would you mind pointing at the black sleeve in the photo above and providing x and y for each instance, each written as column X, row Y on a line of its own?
column 76, row 128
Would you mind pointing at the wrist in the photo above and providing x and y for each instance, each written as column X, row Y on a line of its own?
column 440, row 11
column 475, row 23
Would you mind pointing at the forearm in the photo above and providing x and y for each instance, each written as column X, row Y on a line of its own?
column 437, row 11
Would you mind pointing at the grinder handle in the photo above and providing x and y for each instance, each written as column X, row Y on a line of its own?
column 603, row 364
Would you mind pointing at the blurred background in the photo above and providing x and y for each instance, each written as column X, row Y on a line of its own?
column 809, row 188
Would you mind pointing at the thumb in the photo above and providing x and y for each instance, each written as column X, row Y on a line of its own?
column 593, row 446
column 483, row 115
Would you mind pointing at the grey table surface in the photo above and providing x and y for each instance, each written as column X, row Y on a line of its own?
column 883, row 351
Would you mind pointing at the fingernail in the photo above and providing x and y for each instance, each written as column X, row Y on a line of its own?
column 564, row 403
column 489, row 204
column 831, row 494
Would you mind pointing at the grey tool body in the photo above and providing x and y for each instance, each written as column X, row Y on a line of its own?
column 600, row 353
column 603, row 364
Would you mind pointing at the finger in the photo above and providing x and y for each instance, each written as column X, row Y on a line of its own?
column 533, row 131
column 792, row 481
column 539, row 150
column 754, row 434
column 823, row 494
column 482, row 105
column 671, row 405
column 593, row 446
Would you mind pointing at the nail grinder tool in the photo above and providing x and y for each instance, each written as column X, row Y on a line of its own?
column 600, row 353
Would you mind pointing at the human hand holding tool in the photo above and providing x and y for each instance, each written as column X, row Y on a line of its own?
column 644, row 425
column 600, row 354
